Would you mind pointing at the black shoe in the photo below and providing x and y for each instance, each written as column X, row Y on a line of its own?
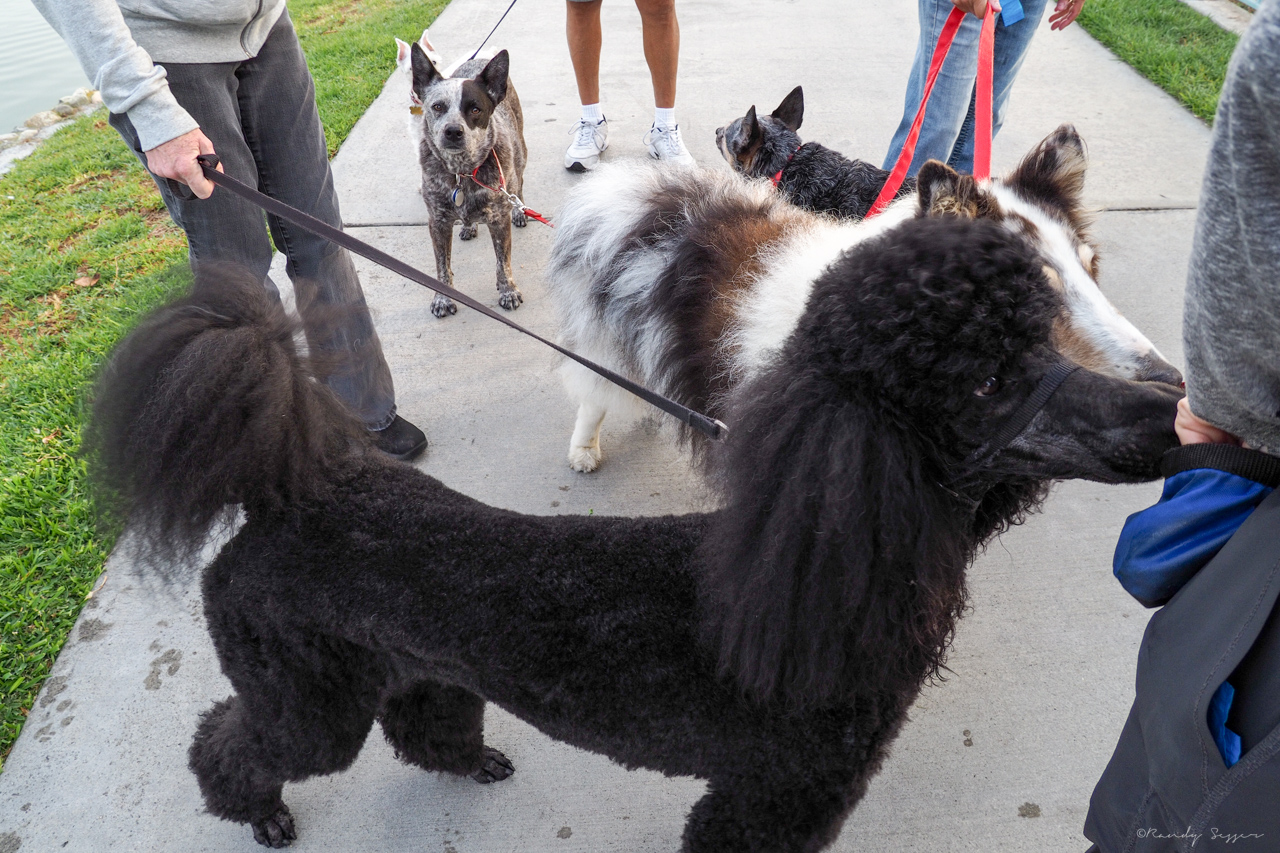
column 400, row 440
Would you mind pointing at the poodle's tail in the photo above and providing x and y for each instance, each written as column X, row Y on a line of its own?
column 208, row 404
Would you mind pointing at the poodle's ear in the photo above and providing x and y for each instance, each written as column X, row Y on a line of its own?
column 494, row 76
column 1052, row 174
column 424, row 70
column 791, row 111
column 836, row 561
column 942, row 190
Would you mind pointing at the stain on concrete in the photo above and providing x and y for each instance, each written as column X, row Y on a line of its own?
column 449, row 848
column 52, row 687
column 564, row 488
column 968, row 738
column 155, row 646
column 9, row 843
column 44, row 733
column 1028, row 810
column 170, row 661
column 564, row 832
column 66, row 721
column 555, row 503
column 93, row 629
column 63, row 705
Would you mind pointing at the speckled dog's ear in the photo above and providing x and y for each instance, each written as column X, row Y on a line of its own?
column 791, row 111
column 424, row 70
column 494, row 76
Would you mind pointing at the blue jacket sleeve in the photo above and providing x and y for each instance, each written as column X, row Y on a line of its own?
column 1209, row 492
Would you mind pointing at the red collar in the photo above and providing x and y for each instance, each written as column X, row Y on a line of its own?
column 778, row 176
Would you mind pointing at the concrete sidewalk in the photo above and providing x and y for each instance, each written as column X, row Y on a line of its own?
column 1002, row 757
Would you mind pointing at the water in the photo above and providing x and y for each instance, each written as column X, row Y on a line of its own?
column 36, row 67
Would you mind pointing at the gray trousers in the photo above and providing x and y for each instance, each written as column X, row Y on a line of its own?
column 261, row 116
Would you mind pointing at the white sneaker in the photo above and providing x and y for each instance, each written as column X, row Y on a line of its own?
column 588, row 141
column 664, row 143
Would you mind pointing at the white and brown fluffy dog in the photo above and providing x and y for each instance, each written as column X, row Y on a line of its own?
column 689, row 281
column 468, row 132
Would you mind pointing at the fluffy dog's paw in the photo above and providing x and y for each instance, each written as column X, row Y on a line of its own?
column 442, row 306
column 511, row 299
column 468, row 232
column 494, row 768
column 518, row 219
column 275, row 831
column 584, row 459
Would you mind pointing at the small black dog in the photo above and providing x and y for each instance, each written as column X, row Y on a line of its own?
column 810, row 175
column 473, row 154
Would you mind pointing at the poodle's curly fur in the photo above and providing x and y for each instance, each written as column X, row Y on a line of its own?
column 772, row 647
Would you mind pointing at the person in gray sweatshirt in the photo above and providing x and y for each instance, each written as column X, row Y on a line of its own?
column 182, row 78
column 1197, row 766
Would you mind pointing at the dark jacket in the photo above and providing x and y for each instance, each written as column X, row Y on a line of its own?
column 1168, row 786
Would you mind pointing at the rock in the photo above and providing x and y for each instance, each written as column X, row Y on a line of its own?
column 64, row 110
column 27, row 135
column 95, row 96
column 7, row 139
column 75, row 101
column 41, row 120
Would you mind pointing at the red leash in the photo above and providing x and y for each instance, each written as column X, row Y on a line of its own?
column 502, row 187
column 982, row 107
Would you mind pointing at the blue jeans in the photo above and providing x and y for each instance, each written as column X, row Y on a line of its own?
column 260, row 115
column 947, row 131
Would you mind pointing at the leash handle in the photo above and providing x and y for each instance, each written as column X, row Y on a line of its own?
column 982, row 108
column 708, row 426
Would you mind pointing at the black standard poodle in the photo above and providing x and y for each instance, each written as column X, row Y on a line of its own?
column 772, row 647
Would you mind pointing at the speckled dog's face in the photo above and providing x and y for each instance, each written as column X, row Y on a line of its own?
column 457, row 111
column 741, row 140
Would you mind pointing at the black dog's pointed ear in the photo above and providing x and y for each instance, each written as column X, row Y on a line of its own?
column 494, row 76
column 424, row 71
column 791, row 111
column 752, row 125
column 1053, row 172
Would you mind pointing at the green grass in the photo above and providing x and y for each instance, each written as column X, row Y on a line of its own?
column 85, row 249
column 1170, row 44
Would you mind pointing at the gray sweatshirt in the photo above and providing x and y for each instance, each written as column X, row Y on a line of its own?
column 1231, row 323
column 119, row 43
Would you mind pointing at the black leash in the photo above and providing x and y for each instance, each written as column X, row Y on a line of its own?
column 491, row 32
column 208, row 162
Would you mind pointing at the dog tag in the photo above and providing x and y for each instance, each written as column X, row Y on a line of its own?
column 456, row 197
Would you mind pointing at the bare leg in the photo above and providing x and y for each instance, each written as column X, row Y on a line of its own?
column 584, row 447
column 583, row 30
column 661, row 48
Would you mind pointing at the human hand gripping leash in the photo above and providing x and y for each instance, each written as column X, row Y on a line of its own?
column 208, row 162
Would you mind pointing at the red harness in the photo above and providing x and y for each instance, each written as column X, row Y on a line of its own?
column 778, row 177
column 982, row 106
column 502, row 189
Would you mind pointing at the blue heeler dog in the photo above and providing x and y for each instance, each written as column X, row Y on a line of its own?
column 472, row 151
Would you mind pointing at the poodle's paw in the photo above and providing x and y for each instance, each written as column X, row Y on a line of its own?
column 494, row 768
column 511, row 299
column 518, row 218
column 442, row 306
column 275, row 831
column 584, row 459
column 468, row 232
